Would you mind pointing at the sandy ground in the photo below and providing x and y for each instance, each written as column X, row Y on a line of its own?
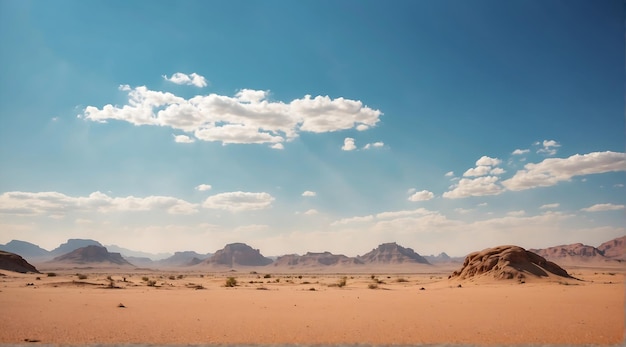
column 285, row 309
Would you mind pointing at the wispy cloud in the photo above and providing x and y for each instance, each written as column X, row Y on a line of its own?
column 309, row 193
column 192, row 79
column 520, row 151
column 374, row 145
column 549, row 206
column 239, row 201
column 549, row 147
column 603, row 207
column 203, row 187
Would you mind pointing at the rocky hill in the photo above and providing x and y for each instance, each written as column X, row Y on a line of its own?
column 26, row 250
column 312, row 259
column 508, row 262
column 571, row 253
column 13, row 262
column 92, row 255
column 73, row 244
column 614, row 249
column 392, row 253
column 185, row 258
column 237, row 254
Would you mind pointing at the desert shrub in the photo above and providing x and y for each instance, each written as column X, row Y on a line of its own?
column 81, row 276
column 401, row 279
column 277, row 280
column 51, row 274
column 172, row 277
column 342, row 282
column 145, row 278
column 267, row 276
column 306, row 282
column 231, row 282
column 312, row 289
column 180, row 277
column 372, row 286
column 300, row 277
column 151, row 283
column 38, row 278
column 109, row 278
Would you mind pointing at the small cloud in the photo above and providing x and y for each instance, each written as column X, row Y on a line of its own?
column 520, row 151
column 124, row 87
column 277, row 146
column 180, row 78
column 348, row 144
column 311, row 212
column 603, row 207
column 549, row 206
column 374, row 145
column 549, row 147
column 54, row 119
column 411, row 190
column 516, row 213
column 309, row 193
column 482, row 204
column 462, row 210
column 488, row 161
column 203, row 187
column 619, row 185
column 362, row 127
column 423, row 195
column 449, row 174
column 183, row 139
column 497, row 171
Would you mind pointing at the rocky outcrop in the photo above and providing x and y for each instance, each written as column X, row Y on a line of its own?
column 312, row 259
column 508, row 262
column 237, row 254
column 614, row 249
column 91, row 254
column 13, row 262
column 392, row 253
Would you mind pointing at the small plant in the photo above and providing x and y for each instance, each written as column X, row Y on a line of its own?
column 372, row 286
column 51, row 274
column 267, row 276
column 81, row 276
column 151, row 283
column 38, row 278
column 277, row 280
column 172, row 277
column 180, row 277
column 342, row 282
column 401, row 279
column 312, row 289
column 231, row 282
column 145, row 278
column 109, row 278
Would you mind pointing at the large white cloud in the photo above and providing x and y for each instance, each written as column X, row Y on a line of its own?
column 480, row 186
column 554, row 170
column 239, row 201
column 247, row 117
column 192, row 79
column 54, row 203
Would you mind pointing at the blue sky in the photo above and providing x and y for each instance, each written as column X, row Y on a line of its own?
column 312, row 125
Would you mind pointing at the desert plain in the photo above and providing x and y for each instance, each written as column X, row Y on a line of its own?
column 409, row 305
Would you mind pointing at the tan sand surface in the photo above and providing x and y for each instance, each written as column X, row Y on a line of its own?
column 65, row 310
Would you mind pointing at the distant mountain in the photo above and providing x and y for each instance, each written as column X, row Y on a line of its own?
column 183, row 259
column 572, row 252
column 26, row 249
column 311, row 259
column 614, row 249
column 443, row 258
column 392, row 253
column 237, row 254
column 91, row 254
column 13, row 262
column 141, row 261
column 73, row 244
column 126, row 253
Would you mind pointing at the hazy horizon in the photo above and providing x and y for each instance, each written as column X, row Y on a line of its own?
column 444, row 126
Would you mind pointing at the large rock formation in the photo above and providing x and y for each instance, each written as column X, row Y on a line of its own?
column 183, row 259
column 25, row 249
column 392, row 253
column 507, row 262
column 574, row 252
column 13, row 262
column 614, row 249
column 237, row 254
column 92, row 255
column 73, row 244
column 312, row 259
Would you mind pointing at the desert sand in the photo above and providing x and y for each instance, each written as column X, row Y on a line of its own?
column 310, row 308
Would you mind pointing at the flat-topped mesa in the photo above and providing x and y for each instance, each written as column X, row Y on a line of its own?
column 13, row 262
column 91, row 254
column 238, row 254
column 508, row 262
column 316, row 259
column 392, row 253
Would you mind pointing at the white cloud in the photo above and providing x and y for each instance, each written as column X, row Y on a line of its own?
column 277, row 146
column 423, row 195
column 551, row 171
column 411, row 190
column 549, row 147
column 603, row 207
column 488, row 161
column 239, row 201
column 348, row 144
column 449, row 174
column 374, row 145
column 497, row 171
column 520, row 151
column 359, row 219
column 549, row 206
column 486, row 185
column 403, row 213
column 203, row 187
column 26, row 203
column 462, row 210
column 248, row 117
column 183, row 139
column 311, row 212
column 309, row 193
column 192, row 79
column 477, row 171
column 519, row 213
column 618, row 185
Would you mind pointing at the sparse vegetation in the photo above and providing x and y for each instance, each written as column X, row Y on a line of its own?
column 151, row 283
column 180, row 277
column 372, row 286
column 172, row 277
column 81, row 276
column 145, row 278
column 267, row 276
column 231, row 282
column 51, row 274
column 342, row 282
column 401, row 279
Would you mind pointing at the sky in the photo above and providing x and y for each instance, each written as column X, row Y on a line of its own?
column 315, row 125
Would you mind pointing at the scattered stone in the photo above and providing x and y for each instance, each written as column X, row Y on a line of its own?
column 121, row 305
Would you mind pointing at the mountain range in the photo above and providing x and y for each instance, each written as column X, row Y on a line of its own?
column 81, row 251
